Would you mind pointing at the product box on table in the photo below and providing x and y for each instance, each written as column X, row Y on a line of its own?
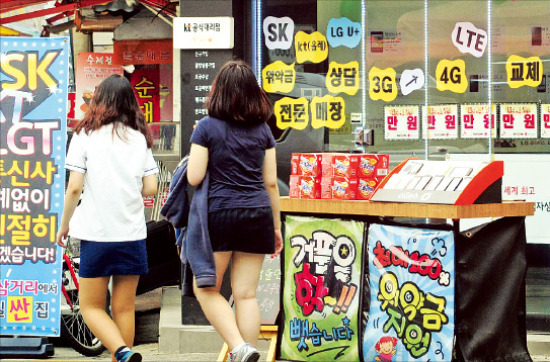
column 304, row 187
column 339, row 164
column 341, row 188
column 373, row 165
column 306, row 164
column 366, row 187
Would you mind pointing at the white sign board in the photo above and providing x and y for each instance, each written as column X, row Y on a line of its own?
column 203, row 32
column 525, row 178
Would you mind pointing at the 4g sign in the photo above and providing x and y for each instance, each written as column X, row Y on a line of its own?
column 451, row 75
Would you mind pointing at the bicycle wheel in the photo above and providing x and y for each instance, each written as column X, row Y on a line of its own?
column 73, row 328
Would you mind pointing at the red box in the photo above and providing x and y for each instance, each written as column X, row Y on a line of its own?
column 341, row 188
column 306, row 164
column 304, row 187
column 366, row 187
column 373, row 165
column 340, row 164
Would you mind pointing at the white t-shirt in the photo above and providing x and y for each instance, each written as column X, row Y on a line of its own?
column 111, row 207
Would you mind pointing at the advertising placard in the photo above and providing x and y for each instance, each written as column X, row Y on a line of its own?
column 518, row 120
column 322, row 275
column 401, row 122
column 411, row 315
column 33, row 117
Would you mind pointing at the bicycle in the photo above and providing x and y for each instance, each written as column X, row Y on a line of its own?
column 74, row 330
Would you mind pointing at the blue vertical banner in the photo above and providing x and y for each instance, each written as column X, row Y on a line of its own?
column 412, row 278
column 33, row 138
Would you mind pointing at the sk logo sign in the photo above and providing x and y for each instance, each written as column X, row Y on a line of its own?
column 382, row 84
column 451, row 75
column 278, row 32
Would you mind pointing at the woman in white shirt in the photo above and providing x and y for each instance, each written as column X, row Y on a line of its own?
column 110, row 158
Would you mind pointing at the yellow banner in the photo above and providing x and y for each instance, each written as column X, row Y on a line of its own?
column 451, row 75
column 343, row 78
column 328, row 111
column 310, row 47
column 382, row 84
column 522, row 71
column 278, row 77
column 291, row 113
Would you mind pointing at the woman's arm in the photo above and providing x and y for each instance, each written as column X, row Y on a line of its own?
column 74, row 189
column 149, row 185
column 270, row 181
column 197, row 164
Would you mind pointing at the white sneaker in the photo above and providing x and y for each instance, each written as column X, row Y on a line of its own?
column 246, row 353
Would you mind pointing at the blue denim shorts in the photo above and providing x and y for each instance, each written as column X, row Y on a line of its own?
column 106, row 258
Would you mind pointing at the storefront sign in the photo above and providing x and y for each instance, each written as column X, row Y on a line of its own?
column 278, row 77
column 145, row 51
column 441, row 121
column 321, row 287
column 474, row 121
column 203, row 32
column 545, row 120
column 522, row 71
column 343, row 78
column 412, row 279
column 91, row 69
column 469, row 39
column 382, row 84
column 451, row 75
column 518, row 120
column 310, row 47
column 278, row 32
column 328, row 111
column 343, row 31
column 293, row 113
column 33, row 117
column 401, row 122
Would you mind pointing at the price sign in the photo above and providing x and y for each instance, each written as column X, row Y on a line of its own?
column 441, row 121
column 474, row 120
column 518, row 120
column 545, row 120
column 401, row 122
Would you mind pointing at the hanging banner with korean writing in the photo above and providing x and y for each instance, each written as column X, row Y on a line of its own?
column 474, row 121
column 322, row 279
column 328, row 111
column 545, row 120
column 411, row 313
column 33, row 117
column 310, row 47
column 518, row 120
column 91, row 69
column 441, row 121
column 146, row 84
column 401, row 122
column 343, row 78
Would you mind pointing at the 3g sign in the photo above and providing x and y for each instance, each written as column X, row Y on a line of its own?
column 451, row 75
column 382, row 84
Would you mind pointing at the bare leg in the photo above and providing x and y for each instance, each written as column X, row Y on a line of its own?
column 123, row 308
column 245, row 272
column 93, row 298
column 216, row 308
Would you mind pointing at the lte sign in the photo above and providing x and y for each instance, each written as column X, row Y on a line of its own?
column 278, row 32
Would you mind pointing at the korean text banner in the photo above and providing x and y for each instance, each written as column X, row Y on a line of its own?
column 322, row 274
column 411, row 314
column 33, row 116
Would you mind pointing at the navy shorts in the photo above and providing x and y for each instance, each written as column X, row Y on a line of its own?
column 249, row 230
column 106, row 258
